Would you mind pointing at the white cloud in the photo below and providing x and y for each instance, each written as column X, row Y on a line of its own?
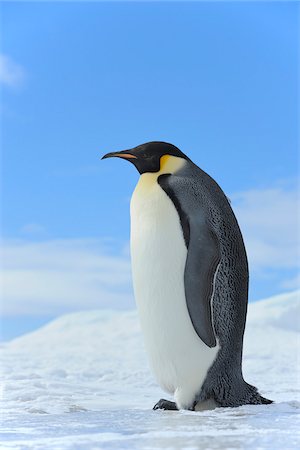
column 269, row 220
column 55, row 276
column 11, row 73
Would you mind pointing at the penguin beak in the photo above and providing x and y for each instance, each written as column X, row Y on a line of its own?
column 125, row 155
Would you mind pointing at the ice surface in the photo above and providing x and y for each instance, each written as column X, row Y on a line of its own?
column 83, row 382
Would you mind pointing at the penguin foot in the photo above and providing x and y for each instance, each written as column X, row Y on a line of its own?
column 165, row 404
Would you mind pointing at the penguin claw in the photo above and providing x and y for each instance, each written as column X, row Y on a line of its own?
column 166, row 405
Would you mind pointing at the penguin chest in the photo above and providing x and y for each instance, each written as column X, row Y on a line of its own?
column 179, row 358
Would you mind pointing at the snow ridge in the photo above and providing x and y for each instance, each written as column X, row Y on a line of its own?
column 93, row 365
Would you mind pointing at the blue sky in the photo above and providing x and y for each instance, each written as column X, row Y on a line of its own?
column 219, row 80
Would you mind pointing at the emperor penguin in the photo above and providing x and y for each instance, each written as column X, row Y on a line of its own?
column 190, row 279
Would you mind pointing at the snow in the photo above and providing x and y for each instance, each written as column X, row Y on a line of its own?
column 83, row 382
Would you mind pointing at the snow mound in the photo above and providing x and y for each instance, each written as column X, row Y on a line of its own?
column 282, row 311
column 93, row 365
column 91, row 356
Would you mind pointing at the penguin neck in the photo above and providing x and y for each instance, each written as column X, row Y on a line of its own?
column 168, row 165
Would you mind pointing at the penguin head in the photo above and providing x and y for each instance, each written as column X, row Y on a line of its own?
column 152, row 157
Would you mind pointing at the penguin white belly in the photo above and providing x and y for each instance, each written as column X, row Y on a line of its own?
column 179, row 358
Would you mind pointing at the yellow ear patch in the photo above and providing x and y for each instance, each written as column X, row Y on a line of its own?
column 170, row 164
column 164, row 161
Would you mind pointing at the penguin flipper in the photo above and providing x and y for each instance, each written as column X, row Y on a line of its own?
column 202, row 261
column 201, row 267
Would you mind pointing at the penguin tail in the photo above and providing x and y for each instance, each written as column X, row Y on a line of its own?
column 265, row 401
column 251, row 396
column 237, row 393
column 254, row 397
column 229, row 389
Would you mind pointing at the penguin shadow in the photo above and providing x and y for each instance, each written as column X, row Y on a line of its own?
column 207, row 410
